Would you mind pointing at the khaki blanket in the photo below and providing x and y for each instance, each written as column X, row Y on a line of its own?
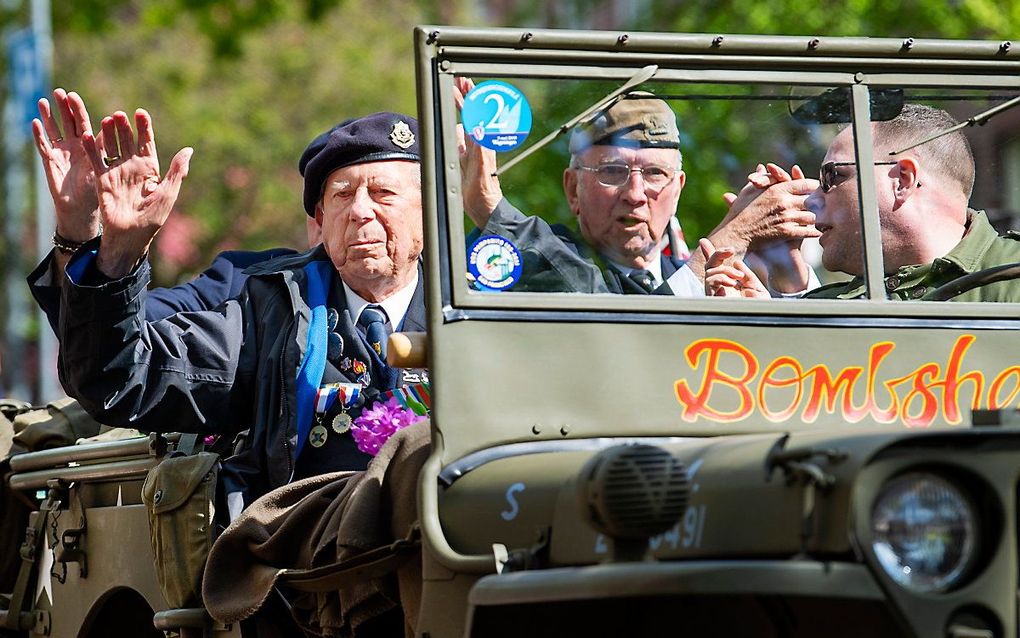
column 319, row 521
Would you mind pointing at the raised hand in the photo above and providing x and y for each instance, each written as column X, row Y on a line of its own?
column 481, row 189
column 771, row 207
column 134, row 202
column 770, row 217
column 69, row 174
column 727, row 275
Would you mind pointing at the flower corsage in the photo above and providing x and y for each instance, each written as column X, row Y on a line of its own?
column 378, row 423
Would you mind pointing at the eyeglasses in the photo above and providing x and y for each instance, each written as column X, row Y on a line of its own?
column 830, row 177
column 654, row 176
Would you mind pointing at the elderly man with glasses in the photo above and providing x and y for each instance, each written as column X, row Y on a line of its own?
column 929, row 235
column 623, row 184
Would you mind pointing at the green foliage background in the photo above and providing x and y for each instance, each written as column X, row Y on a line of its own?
column 248, row 82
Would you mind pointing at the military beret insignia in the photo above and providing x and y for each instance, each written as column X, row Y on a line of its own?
column 401, row 135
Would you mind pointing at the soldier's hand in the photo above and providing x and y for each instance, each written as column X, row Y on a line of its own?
column 69, row 175
column 759, row 216
column 480, row 187
column 134, row 202
column 728, row 276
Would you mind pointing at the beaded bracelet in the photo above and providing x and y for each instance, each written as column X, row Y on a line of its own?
column 65, row 245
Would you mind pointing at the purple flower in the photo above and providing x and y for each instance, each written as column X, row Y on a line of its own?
column 378, row 423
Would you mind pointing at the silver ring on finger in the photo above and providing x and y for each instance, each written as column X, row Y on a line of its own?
column 110, row 160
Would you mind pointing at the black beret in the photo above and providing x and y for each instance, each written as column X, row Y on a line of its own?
column 317, row 145
column 374, row 138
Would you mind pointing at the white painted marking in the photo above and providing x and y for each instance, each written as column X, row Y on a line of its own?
column 235, row 503
column 45, row 580
column 501, row 556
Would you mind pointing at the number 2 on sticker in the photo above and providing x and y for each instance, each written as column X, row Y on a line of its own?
column 500, row 105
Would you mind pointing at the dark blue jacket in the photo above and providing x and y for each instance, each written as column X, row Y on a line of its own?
column 221, row 281
column 211, row 372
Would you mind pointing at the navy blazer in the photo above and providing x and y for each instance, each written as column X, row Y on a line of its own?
column 222, row 280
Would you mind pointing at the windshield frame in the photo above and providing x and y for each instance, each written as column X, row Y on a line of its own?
column 757, row 60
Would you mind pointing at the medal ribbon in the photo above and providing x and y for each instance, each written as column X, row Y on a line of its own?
column 328, row 394
column 313, row 364
column 416, row 398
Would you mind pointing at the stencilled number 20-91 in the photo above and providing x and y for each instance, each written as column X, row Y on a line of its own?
column 693, row 526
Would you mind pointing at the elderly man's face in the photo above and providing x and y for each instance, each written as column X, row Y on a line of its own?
column 625, row 222
column 371, row 222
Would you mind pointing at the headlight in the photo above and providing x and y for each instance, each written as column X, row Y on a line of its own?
column 924, row 531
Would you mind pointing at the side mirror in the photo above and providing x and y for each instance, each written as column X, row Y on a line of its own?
column 834, row 106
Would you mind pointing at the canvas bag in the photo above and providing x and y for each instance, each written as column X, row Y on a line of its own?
column 179, row 495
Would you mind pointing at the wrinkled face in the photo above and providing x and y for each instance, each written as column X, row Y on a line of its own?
column 371, row 221
column 837, row 212
column 626, row 222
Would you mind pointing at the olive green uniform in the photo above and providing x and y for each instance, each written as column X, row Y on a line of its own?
column 981, row 247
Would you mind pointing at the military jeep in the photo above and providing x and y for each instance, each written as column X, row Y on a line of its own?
column 647, row 464
column 608, row 464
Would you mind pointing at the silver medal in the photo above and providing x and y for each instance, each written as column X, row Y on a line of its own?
column 341, row 423
column 317, row 437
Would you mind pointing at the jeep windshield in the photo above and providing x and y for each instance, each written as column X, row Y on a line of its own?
column 896, row 335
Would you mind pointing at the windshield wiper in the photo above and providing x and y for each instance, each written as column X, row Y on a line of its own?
column 605, row 103
column 978, row 120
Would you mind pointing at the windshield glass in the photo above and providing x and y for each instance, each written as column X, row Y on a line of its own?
column 619, row 202
column 724, row 189
column 946, row 206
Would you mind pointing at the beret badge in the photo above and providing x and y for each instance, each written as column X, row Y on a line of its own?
column 401, row 135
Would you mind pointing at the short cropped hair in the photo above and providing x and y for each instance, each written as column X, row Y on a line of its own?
column 948, row 157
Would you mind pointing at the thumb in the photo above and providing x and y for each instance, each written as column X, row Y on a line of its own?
column 707, row 248
column 461, row 141
column 729, row 198
column 89, row 143
column 179, row 165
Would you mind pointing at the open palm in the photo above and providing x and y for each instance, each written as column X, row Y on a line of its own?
column 69, row 175
column 134, row 202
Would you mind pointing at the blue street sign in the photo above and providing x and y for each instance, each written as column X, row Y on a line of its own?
column 26, row 74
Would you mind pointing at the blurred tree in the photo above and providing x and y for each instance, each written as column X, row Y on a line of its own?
column 248, row 113
column 711, row 174
column 249, row 82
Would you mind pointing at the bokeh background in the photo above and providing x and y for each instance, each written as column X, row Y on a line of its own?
column 249, row 82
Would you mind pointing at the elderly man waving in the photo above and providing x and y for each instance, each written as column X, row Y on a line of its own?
column 299, row 353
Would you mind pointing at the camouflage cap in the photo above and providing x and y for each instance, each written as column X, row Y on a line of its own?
column 639, row 120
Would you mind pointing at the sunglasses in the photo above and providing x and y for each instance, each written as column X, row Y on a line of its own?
column 830, row 178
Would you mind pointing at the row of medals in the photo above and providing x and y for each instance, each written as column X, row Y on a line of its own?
column 341, row 422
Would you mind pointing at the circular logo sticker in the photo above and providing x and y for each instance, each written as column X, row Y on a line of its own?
column 494, row 262
column 496, row 115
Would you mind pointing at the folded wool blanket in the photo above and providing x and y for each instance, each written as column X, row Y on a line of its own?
column 320, row 521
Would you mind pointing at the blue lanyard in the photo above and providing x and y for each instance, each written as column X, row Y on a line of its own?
column 313, row 365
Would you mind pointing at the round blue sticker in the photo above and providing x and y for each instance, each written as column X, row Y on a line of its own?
column 494, row 262
column 496, row 115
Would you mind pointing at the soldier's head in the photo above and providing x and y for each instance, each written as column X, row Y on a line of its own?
column 922, row 193
column 625, row 178
column 363, row 188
